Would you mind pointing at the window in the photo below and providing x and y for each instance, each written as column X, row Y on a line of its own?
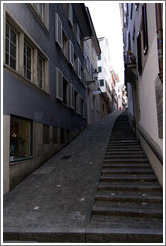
column 99, row 69
column 45, row 134
column 22, row 55
column 40, row 71
column 20, row 138
column 65, row 44
column 42, row 12
column 71, row 53
column 10, row 47
column 58, row 30
column 145, row 29
column 99, row 57
column 27, row 61
column 72, row 100
column 101, row 81
column 139, row 54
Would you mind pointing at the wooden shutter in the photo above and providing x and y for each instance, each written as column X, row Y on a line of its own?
column 139, row 55
column 78, row 34
column 71, row 52
column 59, row 84
column 145, row 28
column 72, row 101
column 78, row 102
column 84, row 109
column 58, row 30
column 78, row 68
column 70, row 14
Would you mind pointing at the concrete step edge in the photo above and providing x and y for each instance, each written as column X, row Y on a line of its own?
column 127, row 212
column 128, row 198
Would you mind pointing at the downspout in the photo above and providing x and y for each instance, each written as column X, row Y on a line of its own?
column 159, row 39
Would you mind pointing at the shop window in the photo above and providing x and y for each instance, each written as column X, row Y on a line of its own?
column 55, row 135
column 45, row 134
column 62, row 135
column 20, row 139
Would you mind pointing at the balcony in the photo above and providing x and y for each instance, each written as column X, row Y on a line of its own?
column 130, row 68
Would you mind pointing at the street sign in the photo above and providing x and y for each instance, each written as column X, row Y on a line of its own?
column 96, row 92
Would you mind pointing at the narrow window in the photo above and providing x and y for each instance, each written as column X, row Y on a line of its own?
column 139, row 55
column 99, row 57
column 99, row 69
column 101, row 82
column 145, row 29
column 40, row 71
column 27, row 61
column 10, row 47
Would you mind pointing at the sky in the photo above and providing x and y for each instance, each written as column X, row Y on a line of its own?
column 107, row 23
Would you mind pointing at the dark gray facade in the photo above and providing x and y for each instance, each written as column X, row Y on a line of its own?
column 44, row 94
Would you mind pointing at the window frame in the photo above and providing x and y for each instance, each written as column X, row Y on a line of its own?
column 12, row 161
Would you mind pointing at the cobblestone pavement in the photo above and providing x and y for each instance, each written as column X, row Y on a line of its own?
column 55, row 202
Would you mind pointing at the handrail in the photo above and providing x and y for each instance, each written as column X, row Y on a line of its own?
column 160, row 158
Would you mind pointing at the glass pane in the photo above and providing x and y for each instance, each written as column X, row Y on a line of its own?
column 12, row 36
column 7, row 31
column 25, row 72
column 28, row 51
column 7, row 45
column 28, row 63
column 25, row 61
column 13, row 50
column 12, row 63
column 28, row 75
column 25, row 48
column 7, row 58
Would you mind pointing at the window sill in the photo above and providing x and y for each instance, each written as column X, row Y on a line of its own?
column 21, row 160
column 27, row 81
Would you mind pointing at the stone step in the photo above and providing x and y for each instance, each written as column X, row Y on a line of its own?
column 129, row 198
column 128, row 212
column 127, row 165
column 120, row 156
column 140, row 193
column 125, row 141
column 142, row 179
column 129, row 186
column 133, row 160
column 127, row 223
column 134, row 204
column 127, row 171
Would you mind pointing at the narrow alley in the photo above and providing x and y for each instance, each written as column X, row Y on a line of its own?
column 88, row 193
column 82, row 122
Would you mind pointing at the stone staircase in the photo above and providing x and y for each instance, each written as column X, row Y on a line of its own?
column 128, row 205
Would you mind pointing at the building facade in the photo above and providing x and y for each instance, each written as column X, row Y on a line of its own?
column 104, row 72
column 44, row 92
column 143, row 56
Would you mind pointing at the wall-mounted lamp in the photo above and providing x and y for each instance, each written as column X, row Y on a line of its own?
column 95, row 76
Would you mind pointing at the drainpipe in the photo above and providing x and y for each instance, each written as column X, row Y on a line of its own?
column 159, row 39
